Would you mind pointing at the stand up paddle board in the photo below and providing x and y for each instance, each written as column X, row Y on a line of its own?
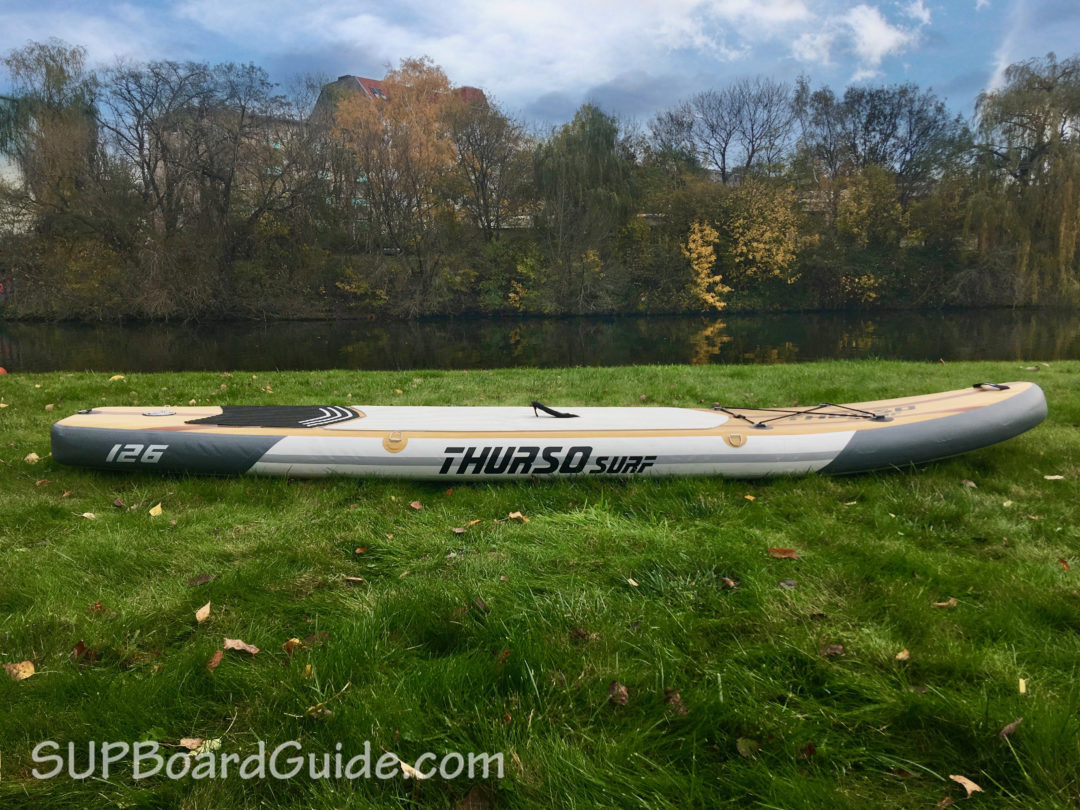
column 456, row 443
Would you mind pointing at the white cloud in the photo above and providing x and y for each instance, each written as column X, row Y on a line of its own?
column 981, row 4
column 874, row 38
column 918, row 11
column 814, row 48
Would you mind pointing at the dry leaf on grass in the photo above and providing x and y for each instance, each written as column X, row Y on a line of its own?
column 237, row 644
column 50, row 407
column 191, row 743
column 728, row 582
column 1047, row 477
column 155, row 510
column 632, row 581
column 832, row 650
column 81, row 652
column 479, row 797
column 116, row 378
column 746, row 747
column 1064, row 564
column 968, row 785
column 215, row 659
column 290, row 646
column 518, row 516
column 416, row 505
column 903, row 655
column 807, row 751
column 42, row 482
column 784, row 553
column 618, row 694
column 203, row 613
column 1006, row 732
column 354, row 581
column 89, row 515
column 969, row 483
column 673, row 700
column 788, row 584
column 32, row 458
column 949, row 603
column 20, row 671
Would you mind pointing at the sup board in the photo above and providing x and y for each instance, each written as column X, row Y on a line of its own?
column 462, row 442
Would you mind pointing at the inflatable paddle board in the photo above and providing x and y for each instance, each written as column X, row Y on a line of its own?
column 456, row 443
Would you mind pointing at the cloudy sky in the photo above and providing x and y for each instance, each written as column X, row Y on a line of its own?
column 541, row 60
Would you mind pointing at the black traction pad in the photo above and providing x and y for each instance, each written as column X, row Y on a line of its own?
column 278, row 416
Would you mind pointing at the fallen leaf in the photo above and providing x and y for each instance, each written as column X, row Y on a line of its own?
column 20, row 671
column 318, row 710
column 1006, row 732
column 1023, row 686
column 67, row 493
column 409, row 772
column 481, row 605
column 416, row 505
column 290, row 646
column 96, row 607
column 316, row 638
column 967, row 784
column 750, row 497
column 728, row 582
column 673, row 700
column 1047, row 477
column 788, row 584
column 50, row 407
column 747, row 748
column 81, row 651
column 354, row 581
column 1007, row 504
column 518, row 516
column 1064, row 564
column 784, row 553
column 237, row 644
column 42, row 482
column 215, row 659
column 449, row 492
column 903, row 655
column 807, row 751
column 361, row 550
column 116, row 377
column 479, row 797
column 119, row 503
column 201, row 579
column 832, row 650
column 948, row 801
column 89, row 515
column 969, row 483
column 191, row 743
column 155, row 510
column 618, row 694
column 308, row 671
column 502, row 657
column 950, row 603
column 32, row 458
column 203, row 613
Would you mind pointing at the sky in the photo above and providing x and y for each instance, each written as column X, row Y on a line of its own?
column 542, row 60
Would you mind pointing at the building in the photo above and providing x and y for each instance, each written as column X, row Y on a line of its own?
column 347, row 86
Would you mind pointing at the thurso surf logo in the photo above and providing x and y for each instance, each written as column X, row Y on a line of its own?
column 500, row 460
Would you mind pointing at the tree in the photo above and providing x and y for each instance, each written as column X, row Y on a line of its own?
column 404, row 155
column 1027, row 209
column 583, row 179
column 491, row 162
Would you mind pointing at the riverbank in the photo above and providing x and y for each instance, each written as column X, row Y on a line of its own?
column 622, row 643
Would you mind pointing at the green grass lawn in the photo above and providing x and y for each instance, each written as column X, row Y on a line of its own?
column 507, row 638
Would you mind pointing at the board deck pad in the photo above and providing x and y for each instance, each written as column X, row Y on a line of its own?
column 277, row 416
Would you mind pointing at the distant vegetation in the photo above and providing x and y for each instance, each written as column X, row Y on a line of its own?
column 189, row 190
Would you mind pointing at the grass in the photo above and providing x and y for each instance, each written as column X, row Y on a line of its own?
column 412, row 661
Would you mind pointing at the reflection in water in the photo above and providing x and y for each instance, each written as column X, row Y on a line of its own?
column 462, row 343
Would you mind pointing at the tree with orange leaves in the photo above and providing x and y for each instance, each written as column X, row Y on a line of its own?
column 403, row 158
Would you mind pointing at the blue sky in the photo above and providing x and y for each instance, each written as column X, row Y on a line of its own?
column 541, row 60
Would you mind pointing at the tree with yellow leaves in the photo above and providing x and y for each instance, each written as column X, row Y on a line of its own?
column 706, row 284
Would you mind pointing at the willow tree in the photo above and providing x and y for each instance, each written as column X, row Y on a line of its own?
column 1026, row 211
column 583, row 180
column 404, row 159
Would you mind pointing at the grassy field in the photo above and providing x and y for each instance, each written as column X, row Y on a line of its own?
column 599, row 647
